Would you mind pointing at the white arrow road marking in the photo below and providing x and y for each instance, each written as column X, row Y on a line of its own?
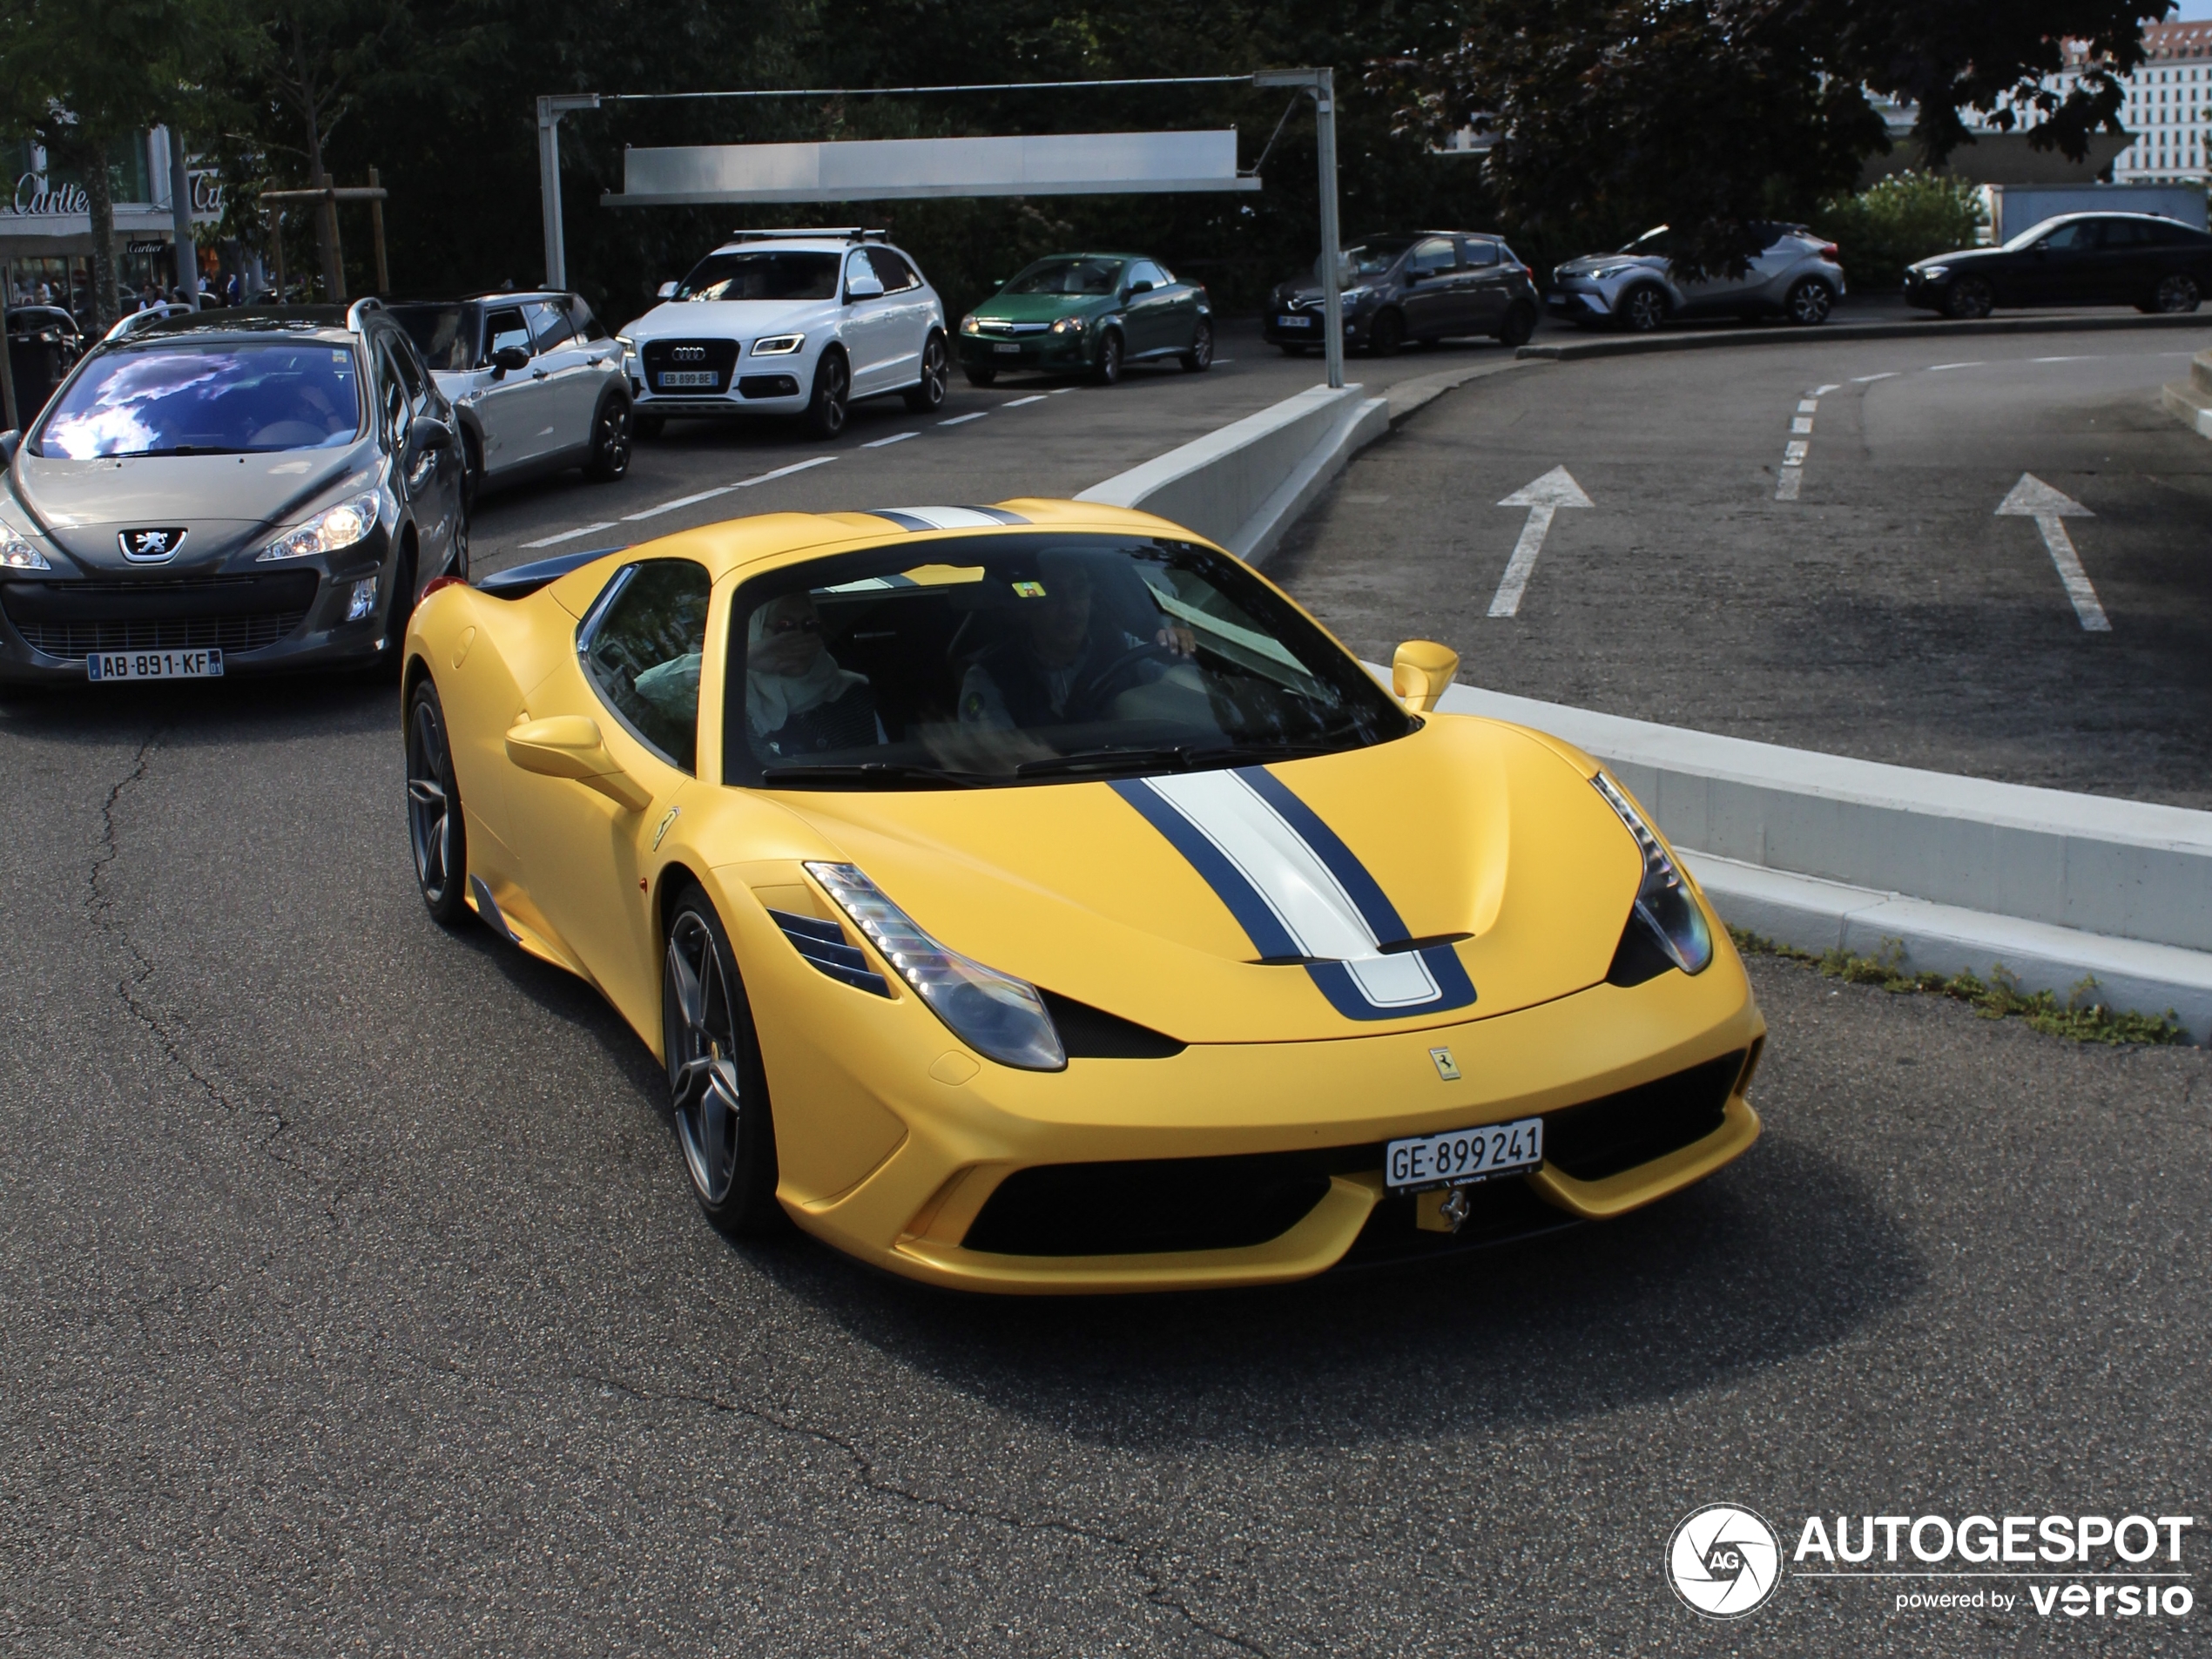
column 2050, row 508
column 1555, row 489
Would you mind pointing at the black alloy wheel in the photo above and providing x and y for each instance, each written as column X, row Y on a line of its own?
column 610, row 441
column 981, row 376
column 458, row 564
column 716, row 1092
column 929, row 393
column 1108, row 369
column 1642, row 310
column 1970, row 296
column 2177, row 296
column 1519, row 326
column 825, row 410
column 435, row 830
column 1386, row 334
column 1199, row 358
column 1809, row 302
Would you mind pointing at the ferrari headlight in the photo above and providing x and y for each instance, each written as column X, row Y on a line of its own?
column 18, row 555
column 994, row 1014
column 1664, row 901
column 778, row 345
column 970, row 324
column 328, row 532
column 1068, row 326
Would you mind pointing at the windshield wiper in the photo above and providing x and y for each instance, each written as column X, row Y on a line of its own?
column 811, row 771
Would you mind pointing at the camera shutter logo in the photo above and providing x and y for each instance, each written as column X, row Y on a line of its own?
column 150, row 546
column 1724, row 1560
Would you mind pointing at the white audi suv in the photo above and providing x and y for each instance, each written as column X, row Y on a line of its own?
column 791, row 323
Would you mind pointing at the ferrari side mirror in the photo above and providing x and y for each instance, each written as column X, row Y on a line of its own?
column 1419, row 672
column 568, row 745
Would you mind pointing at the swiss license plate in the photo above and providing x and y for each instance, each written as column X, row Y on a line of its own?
column 705, row 377
column 154, row 665
column 1294, row 322
column 1009, row 348
column 1464, row 1155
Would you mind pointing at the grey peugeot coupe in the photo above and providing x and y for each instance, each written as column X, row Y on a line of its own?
column 229, row 492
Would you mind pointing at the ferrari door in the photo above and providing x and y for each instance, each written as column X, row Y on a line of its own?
column 583, row 839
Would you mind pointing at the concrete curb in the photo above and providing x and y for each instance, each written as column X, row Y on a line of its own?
column 1407, row 396
column 1783, row 334
column 2190, row 401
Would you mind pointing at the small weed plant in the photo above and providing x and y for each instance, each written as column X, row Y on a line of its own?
column 2081, row 1018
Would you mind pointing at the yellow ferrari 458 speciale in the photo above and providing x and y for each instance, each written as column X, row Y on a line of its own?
column 1034, row 898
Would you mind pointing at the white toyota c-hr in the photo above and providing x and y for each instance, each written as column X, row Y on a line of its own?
column 789, row 322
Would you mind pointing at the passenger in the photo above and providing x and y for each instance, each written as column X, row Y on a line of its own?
column 1058, row 668
column 798, row 701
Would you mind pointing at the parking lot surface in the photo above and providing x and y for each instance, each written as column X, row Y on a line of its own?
column 1888, row 611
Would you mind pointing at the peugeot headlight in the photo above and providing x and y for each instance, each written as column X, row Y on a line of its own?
column 970, row 324
column 994, row 1014
column 329, row 530
column 16, row 554
column 1068, row 326
column 1664, row 900
column 778, row 345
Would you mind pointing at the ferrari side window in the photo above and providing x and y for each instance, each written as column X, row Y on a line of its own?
column 641, row 648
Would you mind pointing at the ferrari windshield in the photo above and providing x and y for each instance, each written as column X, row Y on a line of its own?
column 1068, row 276
column 233, row 397
column 785, row 275
column 1029, row 659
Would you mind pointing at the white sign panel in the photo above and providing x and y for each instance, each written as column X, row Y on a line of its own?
column 1063, row 164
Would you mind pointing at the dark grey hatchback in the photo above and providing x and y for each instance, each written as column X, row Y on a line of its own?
column 1426, row 285
column 229, row 492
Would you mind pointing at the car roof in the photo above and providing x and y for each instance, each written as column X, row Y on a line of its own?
column 489, row 296
column 824, row 242
column 322, row 321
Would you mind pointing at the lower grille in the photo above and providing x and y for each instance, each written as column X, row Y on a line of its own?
column 1617, row 1132
column 72, row 620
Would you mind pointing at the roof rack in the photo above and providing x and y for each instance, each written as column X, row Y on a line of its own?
column 841, row 232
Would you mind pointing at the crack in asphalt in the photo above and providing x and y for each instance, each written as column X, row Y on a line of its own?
column 1158, row 1591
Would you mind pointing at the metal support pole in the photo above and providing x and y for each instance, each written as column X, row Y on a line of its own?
column 549, row 110
column 376, row 225
column 187, row 250
column 1320, row 85
column 9, row 421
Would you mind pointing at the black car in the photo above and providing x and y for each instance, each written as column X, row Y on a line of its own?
column 1424, row 284
column 229, row 492
column 2075, row 259
column 44, row 345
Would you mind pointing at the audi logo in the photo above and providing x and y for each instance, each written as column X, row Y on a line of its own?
column 689, row 353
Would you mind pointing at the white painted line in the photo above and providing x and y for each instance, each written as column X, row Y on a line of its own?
column 1060, row 391
column 1937, row 368
column 1786, row 487
column 1794, row 453
column 1807, row 405
column 783, row 472
column 1823, row 391
column 962, row 420
column 2087, row 359
column 1544, row 497
column 896, row 437
column 2050, row 508
column 1803, row 423
column 1224, row 360
column 681, row 501
column 570, row 536
column 1037, row 397
column 1862, row 379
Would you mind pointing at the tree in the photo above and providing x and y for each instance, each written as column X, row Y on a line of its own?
column 81, row 76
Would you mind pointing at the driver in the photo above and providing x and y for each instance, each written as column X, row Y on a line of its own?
column 1063, row 666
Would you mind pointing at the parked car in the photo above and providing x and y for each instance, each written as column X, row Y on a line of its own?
column 536, row 382
column 1090, row 313
column 789, row 322
column 1425, row 286
column 2136, row 259
column 1638, row 288
column 44, row 345
column 229, row 492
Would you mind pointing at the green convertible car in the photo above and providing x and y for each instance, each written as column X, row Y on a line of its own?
column 1088, row 313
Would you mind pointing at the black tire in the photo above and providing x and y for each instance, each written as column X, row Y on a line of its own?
column 718, row 1090
column 1642, row 310
column 457, row 565
column 1969, row 297
column 928, row 394
column 648, row 426
column 1291, row 348
column 1199, row 358
column 981, row 376
column 832, row 396
column 609, row 456
column 1519, row 326
column 472, row 470
column 1107, row 371
column 1809, row 302
column 2177, row 296
column 1386, row 334
column 437, row 832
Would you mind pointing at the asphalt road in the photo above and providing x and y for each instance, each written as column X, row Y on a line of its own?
column 352, row 1298
column 1886, row 613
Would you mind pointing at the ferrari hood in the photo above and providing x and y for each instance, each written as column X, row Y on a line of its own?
column 1464, row 871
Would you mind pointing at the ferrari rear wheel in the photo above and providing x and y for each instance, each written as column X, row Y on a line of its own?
column 718, row 1094
column 434, row 828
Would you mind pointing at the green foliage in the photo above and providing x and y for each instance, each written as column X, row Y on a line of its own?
column 2080, row 1018
column 1905, row 217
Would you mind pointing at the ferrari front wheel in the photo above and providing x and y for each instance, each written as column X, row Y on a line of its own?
column 435, row 831
column 718, row 1094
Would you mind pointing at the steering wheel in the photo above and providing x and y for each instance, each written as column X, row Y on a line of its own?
column 1094, row 689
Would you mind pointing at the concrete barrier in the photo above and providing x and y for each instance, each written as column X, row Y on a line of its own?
column 1783, row 334
column 1245, row 484
column 2190, row 401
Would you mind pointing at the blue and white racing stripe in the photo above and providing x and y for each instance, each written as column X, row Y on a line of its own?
column 1298, row 891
